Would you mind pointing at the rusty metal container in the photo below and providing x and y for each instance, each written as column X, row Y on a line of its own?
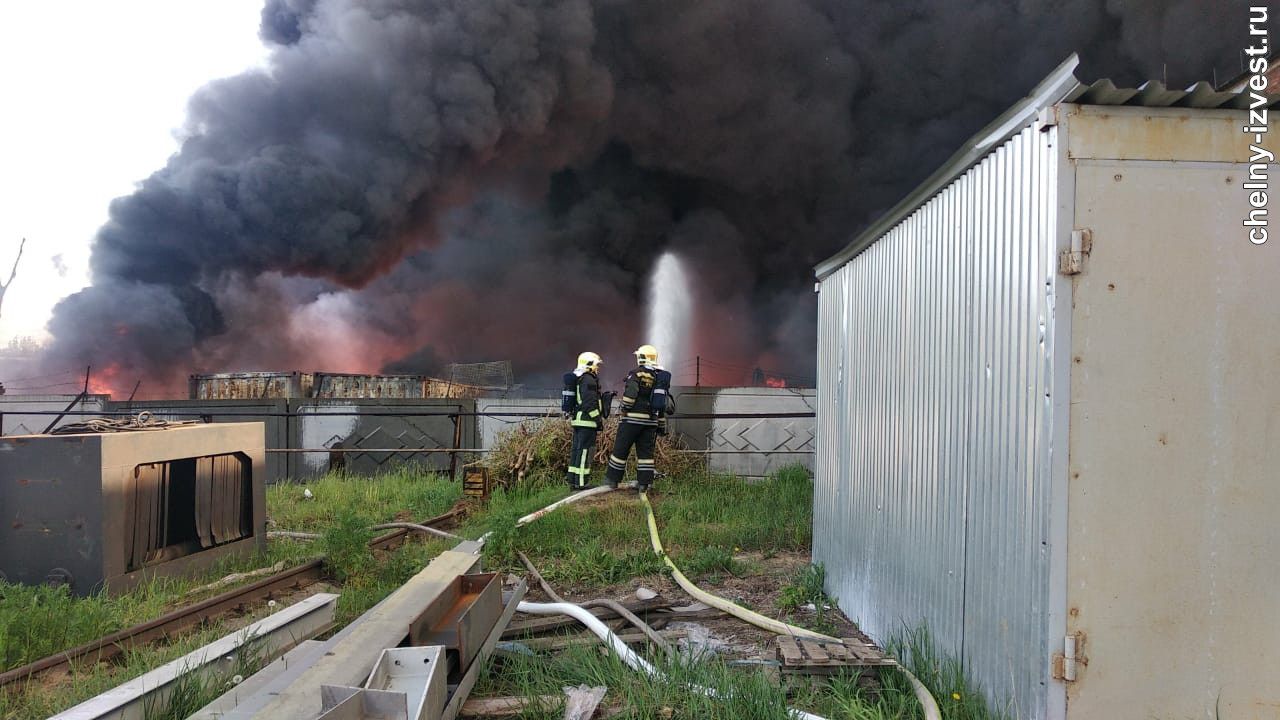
column 346, row 386
column 109, row 510
column 250, row 386
column 303, row 385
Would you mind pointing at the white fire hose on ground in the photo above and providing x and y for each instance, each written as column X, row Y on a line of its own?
column 624, row 653
column 930, row 706
column 927, row 702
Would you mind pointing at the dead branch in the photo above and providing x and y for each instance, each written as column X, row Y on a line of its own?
column 12, row 273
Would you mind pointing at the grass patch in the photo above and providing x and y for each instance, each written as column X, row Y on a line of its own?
column 38, row 621
column 958, row 697
column 847, row 698
column 39, row 699
column 191, row 692
column 705, row 520
column 806, row 588
column 741, row 695
column 377, row 499
column 725, row 512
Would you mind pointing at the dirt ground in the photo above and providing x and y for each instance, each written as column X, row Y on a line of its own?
column 758, row 589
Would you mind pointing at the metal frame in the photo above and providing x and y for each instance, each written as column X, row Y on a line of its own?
column 271, row 636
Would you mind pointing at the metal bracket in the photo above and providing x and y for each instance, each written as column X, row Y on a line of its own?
column 1047, row 118
column 1071, row 262
column 1066, row 663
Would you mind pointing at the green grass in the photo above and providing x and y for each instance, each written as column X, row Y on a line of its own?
column 806, row 588
column 741, row 695
column 376, row 499
column 707, row 524
column 704, row 520
column 958, row 697
column 35, row 699
column 38, row 621
column 191, row 692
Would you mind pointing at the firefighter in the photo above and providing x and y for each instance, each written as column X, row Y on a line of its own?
column 587, row 418
column 644, row 408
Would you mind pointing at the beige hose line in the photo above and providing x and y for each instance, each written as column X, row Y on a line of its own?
column 931, row 711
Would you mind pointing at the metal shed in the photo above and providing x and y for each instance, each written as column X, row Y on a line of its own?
column 1049, row 410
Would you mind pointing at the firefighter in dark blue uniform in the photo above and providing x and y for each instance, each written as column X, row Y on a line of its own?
column 644, row 410
column 582, row 400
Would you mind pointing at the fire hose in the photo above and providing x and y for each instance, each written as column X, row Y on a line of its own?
column 384, row 526
column 624, row 653
column 930, row 706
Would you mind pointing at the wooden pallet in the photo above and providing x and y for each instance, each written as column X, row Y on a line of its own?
column 811, row 657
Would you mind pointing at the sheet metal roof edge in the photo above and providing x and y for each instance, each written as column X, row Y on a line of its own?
column 1060, row 86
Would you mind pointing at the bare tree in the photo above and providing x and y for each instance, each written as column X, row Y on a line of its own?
column 13, row 272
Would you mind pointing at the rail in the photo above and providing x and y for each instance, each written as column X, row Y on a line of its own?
column 109, row 646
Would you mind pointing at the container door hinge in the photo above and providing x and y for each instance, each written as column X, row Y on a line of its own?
column 1067, row 663
column 1071, row 262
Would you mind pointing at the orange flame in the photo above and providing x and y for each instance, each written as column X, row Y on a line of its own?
column 107, row 381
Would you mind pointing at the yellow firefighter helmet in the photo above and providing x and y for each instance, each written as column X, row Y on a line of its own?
column 647, row 355
column 590, row 361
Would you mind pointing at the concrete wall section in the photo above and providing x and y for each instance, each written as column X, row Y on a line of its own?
column 488, row 429
column 325, row 423
column 14, row 422
column 267, row 412
column 747, row 447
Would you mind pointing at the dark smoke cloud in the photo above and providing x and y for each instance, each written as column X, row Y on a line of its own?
column 410, row 183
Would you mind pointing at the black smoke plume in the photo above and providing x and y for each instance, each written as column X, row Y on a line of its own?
column 413, row 182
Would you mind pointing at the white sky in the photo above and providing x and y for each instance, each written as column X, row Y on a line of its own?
column 92, row 95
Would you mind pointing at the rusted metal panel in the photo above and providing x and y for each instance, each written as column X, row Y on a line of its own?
column 250, row 386
column 302, row 385
column 333, row 385
column 437, row 388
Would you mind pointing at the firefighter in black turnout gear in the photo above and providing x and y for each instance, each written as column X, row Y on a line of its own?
column 644, row 410
column 583, row 401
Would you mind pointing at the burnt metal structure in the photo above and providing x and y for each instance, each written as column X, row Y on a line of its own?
column 319, row 385
column 107, row 510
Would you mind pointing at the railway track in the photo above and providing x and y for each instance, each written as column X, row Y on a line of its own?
column 170, row 624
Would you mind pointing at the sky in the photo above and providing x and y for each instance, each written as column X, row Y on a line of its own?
column 94, row 99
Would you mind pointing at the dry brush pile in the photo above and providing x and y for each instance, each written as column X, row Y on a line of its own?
column 537, row 451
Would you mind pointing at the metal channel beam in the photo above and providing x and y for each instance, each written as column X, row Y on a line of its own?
column 305, row 654
column 272, row 636
column 349, row 661
column 469, row 678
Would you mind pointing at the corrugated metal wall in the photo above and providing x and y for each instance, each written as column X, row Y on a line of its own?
column 933, row 474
